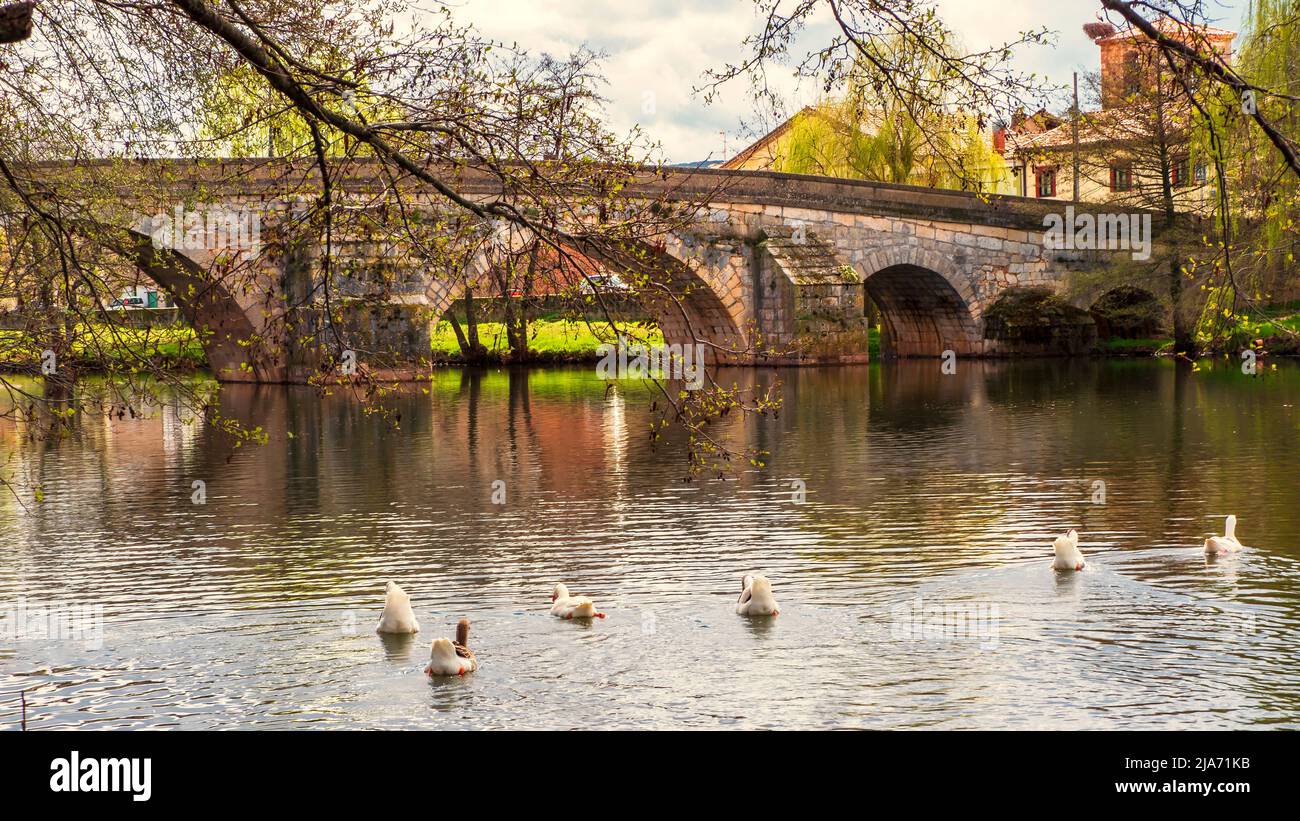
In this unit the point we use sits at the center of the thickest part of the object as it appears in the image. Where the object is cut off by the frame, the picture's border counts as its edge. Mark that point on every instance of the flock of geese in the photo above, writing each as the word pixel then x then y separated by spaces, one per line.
pixel 454 658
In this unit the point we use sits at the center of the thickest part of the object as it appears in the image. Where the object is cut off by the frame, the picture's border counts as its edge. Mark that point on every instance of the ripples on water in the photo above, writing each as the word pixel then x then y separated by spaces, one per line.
pixel 931 501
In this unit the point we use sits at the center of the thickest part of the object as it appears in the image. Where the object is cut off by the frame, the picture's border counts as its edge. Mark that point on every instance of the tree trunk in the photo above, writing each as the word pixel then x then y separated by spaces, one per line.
pixel 517 329
pixel 1183 336
pixel 475 352
pixel 16 21
pixel 460 335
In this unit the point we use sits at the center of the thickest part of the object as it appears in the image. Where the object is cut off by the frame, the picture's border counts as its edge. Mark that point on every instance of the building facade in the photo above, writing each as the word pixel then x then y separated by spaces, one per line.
pixel 1141 136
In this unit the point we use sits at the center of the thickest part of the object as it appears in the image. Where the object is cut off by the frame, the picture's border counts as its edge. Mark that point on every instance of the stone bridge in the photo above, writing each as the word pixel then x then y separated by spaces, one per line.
pixel 778 270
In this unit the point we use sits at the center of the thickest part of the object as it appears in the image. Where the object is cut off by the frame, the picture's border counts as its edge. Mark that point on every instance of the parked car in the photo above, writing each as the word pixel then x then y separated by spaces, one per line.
pixel 136 299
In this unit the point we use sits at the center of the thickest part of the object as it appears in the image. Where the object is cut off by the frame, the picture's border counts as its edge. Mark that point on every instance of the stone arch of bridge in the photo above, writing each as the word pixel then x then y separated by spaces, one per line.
pixel 925 305
pixel 223 327
pixel 686 305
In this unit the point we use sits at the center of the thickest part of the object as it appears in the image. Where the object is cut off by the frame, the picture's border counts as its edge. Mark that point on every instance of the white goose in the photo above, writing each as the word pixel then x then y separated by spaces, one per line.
pixel 1068 555
pixel 565 606
pixel 756 597
pixel 1225 543
pixel 448 658
pixel 398 617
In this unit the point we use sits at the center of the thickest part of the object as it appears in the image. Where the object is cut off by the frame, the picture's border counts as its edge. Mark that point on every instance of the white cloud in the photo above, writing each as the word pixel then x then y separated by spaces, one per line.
pixel 664 47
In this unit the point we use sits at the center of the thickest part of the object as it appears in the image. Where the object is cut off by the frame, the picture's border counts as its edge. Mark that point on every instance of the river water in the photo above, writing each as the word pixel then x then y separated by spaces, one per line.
pixel 904 516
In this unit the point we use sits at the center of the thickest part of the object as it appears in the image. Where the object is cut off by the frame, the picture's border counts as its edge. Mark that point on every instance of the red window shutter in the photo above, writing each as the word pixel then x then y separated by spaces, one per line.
pixel 1112 180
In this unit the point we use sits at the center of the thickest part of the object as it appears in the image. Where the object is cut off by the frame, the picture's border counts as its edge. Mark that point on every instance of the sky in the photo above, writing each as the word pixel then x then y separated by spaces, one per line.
pixel 659 50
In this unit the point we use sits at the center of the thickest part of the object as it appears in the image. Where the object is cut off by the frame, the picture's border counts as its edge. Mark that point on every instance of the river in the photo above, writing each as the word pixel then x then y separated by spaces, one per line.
pixel 905 518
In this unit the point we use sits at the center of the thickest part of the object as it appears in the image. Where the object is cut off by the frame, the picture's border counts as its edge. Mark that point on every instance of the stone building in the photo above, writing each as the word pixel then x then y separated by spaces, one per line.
pixel 1117 160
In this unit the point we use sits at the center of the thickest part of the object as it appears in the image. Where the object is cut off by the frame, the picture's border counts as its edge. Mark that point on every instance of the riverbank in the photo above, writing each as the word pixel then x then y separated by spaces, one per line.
pixel 1274 331
pixel 551 341
pixel 104 347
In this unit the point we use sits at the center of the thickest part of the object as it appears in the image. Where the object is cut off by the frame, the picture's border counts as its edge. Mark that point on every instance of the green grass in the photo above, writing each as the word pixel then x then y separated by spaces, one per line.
pixel 548 339
pixel 1276 325
pixel 105 347
pixel 1262 328
pixel 120 347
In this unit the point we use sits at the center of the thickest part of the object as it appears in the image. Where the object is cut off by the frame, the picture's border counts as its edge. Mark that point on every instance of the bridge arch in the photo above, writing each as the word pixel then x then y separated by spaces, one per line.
pixel 686 305
pixel 1128 312
pixel 926 306
pixel 692 303
pixel 205 302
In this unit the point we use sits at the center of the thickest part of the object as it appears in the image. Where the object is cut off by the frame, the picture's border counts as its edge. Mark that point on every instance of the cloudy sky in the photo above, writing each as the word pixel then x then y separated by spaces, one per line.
pixel 659 50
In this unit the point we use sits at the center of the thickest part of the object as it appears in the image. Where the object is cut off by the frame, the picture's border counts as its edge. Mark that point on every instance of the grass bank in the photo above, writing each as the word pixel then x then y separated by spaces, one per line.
pixel 1274 329
pixel 178 348
pixel 123 348
pixel 549 340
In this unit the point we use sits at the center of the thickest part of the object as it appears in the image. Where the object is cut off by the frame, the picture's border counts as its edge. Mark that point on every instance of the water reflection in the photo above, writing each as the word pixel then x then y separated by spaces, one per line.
pixel 256 608
pixel 397 646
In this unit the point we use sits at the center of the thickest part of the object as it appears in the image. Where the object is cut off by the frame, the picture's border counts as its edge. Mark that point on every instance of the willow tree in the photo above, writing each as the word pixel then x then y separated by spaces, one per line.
pixel 872 134
pixel 896 57
pixel 1261 202
pixel 240 117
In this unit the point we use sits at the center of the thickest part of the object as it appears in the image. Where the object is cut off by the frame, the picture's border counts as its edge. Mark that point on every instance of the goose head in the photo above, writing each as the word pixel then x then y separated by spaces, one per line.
pixel 1073 536
pixel 462 633
pixel 1230 527
pixel 560 592
pixel 760 586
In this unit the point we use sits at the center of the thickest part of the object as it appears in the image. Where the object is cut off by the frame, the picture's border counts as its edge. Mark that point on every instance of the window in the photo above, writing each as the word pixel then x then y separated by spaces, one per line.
pixel 1202 173
pixel 1121 177
pixel 1179 173
pixel 1046 182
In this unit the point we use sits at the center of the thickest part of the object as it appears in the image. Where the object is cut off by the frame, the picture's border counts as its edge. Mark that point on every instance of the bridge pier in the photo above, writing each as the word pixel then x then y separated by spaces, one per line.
pixel 809 303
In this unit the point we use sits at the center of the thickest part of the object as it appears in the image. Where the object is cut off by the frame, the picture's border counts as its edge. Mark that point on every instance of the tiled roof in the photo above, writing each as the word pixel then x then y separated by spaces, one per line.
pixel 1166 25
pixel 767 139
pixel 1095 127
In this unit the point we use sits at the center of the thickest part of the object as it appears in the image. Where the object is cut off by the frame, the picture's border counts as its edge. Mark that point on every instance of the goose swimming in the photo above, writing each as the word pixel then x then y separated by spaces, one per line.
pixel 756 597
pixel 398 617
pixel 448 658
